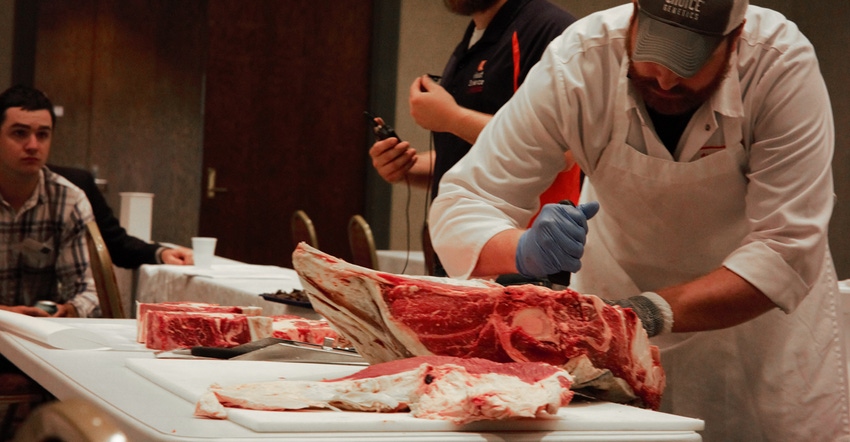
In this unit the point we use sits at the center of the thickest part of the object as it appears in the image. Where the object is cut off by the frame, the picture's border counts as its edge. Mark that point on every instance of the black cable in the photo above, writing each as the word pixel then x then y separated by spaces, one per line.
pixel 407 223
pixel 428 192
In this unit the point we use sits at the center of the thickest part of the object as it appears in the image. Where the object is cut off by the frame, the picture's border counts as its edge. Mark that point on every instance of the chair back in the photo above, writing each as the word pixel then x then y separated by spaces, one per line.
pixel 303 230
pixel 362 243
pixel 104 273
pixel 71 420
pixel 428 251
pixel 16 390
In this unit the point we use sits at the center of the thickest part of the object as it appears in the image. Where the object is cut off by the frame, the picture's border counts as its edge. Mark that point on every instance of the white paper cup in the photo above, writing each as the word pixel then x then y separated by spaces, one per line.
pixel 203 250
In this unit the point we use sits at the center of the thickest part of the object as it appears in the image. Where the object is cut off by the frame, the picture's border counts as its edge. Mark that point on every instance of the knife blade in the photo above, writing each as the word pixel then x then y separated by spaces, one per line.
pixel 295 351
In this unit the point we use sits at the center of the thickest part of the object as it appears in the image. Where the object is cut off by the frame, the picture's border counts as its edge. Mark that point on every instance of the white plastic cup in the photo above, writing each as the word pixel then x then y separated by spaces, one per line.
pixel 203 249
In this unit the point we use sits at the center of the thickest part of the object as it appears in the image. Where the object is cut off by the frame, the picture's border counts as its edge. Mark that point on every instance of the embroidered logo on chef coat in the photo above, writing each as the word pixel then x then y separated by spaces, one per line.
pixel 476 83
pixel 708 150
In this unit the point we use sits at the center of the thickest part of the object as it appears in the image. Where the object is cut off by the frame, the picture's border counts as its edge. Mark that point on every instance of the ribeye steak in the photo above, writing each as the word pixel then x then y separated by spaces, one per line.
pixel 169 330
pixel 142 309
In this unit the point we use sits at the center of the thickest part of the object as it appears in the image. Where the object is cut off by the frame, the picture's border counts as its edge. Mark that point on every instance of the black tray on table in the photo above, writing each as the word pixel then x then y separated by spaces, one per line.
pixel 294 297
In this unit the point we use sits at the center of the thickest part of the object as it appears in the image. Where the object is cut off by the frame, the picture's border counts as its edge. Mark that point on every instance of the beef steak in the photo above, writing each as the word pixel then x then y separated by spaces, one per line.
pixel 169 330
pixel 142 309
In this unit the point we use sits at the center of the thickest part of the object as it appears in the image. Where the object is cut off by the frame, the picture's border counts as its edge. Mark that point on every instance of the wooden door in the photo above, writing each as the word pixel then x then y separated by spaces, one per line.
pixel 286 86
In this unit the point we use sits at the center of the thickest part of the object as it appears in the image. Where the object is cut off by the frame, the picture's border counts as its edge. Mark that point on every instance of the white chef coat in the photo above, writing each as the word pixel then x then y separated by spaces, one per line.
pixel 749 188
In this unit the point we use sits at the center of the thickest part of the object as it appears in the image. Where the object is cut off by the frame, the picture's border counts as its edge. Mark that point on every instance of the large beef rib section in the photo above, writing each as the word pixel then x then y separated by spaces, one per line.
pixel 460 390
pixel 389 317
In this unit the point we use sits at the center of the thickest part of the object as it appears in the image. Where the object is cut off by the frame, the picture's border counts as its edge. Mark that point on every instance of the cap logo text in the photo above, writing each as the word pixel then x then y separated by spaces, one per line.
pixel 685 8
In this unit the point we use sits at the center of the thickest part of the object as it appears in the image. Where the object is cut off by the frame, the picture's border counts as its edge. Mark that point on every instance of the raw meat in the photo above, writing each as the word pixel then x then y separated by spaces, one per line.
pixel 143 307
pixel 390 317
pixel 296 328
pixel 169 330
pixel 460 390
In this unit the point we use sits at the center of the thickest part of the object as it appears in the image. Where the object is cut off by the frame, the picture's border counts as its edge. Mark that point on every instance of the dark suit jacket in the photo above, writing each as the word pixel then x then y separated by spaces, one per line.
pixel 126 251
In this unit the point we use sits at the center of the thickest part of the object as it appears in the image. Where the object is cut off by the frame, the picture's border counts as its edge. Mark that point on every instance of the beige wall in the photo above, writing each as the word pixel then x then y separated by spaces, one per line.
pixel 429 33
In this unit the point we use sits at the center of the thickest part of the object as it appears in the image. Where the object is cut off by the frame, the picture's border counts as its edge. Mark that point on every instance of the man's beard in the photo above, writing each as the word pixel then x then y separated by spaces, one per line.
pixel 678 99
pixel 467 7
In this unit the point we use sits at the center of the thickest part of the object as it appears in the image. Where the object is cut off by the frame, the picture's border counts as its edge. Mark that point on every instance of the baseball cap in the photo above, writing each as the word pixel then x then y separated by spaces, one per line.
pixel 682 34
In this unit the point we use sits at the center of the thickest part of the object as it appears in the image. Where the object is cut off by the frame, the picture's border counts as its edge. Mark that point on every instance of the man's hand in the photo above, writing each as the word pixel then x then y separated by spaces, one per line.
pixel 66 310
pixel 177 256
pixel 654 312
pixel 431 106
pixel 392 160
pixel 555 242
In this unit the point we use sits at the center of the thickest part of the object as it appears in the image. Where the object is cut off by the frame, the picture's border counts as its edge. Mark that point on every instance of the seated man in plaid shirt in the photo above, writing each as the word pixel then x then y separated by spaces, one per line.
pixel 43 253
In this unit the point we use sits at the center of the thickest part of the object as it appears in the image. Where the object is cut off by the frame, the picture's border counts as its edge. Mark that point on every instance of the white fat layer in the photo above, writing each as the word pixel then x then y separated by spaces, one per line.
pixel 446 392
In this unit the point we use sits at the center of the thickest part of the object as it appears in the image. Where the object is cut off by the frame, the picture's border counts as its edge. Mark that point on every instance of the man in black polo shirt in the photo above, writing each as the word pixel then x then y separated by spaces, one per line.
pixel 502 42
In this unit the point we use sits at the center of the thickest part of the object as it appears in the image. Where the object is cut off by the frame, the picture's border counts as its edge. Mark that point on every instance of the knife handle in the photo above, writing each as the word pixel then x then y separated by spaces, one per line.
pixel 215 352
pixel 230 352
pixel 562 278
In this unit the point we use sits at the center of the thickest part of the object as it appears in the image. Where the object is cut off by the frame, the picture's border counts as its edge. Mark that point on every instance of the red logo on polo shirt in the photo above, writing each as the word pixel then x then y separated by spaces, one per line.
pixel 476 83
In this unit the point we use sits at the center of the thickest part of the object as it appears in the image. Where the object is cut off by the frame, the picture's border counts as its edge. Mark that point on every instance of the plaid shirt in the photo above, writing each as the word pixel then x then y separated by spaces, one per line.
pixel 43 252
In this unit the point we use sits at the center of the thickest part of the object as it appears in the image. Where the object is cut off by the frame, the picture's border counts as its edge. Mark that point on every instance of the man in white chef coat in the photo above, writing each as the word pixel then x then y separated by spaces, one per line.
pixel 706 134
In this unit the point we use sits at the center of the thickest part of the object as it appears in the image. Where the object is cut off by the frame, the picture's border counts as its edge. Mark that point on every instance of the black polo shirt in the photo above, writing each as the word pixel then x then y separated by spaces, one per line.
pixel 485 76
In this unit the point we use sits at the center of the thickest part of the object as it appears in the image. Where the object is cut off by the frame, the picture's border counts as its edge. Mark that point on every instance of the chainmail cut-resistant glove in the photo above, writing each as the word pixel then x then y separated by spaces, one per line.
pixel 555 242
pixel 653 311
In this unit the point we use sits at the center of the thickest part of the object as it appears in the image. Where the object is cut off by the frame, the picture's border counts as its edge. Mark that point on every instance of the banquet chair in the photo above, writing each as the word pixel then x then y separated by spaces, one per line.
pixel 72 420
pixel 362 243
pixel 16 390
pixel 303 230
pixel 104 274
pixel 428 251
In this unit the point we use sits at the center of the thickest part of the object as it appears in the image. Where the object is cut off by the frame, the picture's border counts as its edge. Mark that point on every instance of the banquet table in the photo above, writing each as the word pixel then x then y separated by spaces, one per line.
pixel 154 399
pixel 228 282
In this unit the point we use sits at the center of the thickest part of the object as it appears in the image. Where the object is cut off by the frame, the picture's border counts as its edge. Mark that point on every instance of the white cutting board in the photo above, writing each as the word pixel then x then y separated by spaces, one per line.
pixel 190 378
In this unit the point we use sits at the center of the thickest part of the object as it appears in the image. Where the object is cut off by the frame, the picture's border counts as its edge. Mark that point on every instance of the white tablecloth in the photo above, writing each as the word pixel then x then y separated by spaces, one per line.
pixel 227 283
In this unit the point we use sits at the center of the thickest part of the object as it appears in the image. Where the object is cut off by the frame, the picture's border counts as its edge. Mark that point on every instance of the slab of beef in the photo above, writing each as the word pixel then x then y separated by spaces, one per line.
pixel 296 328
pixel 389 317
pixel 460 390
pixel 142 308
pixel 167 330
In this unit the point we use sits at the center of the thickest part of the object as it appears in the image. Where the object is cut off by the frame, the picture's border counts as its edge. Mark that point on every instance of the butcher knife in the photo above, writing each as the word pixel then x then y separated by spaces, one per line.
pixel 216 352
pixel 284 350
pixel 294 351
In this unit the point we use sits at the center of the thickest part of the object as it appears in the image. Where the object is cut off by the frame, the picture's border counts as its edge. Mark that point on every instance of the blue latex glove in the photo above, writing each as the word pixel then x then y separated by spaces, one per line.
pixel 555 242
